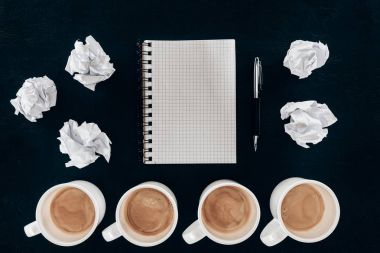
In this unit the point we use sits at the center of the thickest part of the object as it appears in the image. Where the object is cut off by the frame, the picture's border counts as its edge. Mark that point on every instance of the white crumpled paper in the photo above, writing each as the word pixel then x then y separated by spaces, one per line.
pixel 36 96
pixel 82 142
pixel 308 121
pixel 305 56
pixel 89 63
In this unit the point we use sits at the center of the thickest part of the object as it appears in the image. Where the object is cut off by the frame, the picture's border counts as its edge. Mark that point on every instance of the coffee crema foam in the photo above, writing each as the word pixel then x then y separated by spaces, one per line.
pixel 226 210
pixel 148 212
pixel 302 208
pixel 72 210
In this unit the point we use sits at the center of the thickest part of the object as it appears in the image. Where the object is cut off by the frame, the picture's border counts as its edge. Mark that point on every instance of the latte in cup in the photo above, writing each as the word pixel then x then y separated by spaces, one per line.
pixel 228 212
pixel 147 213
pixel 67 214
pixel 302 208
pixel 72 211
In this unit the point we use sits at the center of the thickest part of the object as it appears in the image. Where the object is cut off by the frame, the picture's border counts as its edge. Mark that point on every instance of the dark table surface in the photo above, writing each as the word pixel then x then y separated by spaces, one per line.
pixel 36 38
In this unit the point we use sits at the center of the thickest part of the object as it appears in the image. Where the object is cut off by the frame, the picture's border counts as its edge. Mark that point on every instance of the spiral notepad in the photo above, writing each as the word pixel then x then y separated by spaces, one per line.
pixel 189 101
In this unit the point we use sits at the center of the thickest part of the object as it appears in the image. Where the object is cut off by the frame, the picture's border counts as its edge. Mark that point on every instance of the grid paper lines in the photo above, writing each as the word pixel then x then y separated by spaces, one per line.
pixel 193 101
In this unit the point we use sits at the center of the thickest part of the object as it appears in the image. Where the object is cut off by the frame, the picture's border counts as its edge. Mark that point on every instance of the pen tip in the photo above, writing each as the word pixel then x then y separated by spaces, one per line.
pixel 255 142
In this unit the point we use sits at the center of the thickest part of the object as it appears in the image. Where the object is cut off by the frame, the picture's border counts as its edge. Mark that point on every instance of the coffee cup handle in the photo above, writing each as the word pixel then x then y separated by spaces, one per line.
pixel 32 229
pixel 273 233
pixel 193 233
pixel 111 233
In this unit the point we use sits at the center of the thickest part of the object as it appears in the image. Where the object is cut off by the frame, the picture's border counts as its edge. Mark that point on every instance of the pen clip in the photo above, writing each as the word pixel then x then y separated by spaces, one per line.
pixel 260 76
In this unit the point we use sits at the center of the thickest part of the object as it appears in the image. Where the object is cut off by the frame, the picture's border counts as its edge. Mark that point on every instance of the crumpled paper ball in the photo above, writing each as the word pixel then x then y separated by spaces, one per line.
pixel 36 96
pixel 82 143
pixel 89 63
pixel 308 121
pixel 305 56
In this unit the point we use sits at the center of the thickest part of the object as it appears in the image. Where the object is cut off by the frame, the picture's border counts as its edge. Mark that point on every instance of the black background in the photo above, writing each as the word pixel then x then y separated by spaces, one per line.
pixel 36 38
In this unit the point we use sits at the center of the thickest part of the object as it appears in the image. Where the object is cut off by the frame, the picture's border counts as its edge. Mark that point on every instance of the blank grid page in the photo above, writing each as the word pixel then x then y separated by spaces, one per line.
pixel 193 101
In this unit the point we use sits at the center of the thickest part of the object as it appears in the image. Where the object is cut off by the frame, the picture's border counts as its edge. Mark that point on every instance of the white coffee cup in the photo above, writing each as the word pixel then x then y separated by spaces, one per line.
pixel 198 229
pixel 276 231
pixel 45 225
pixel 118 229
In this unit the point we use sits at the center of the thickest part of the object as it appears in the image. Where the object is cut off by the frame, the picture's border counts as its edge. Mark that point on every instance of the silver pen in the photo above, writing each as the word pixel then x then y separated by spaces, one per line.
pixel 257 86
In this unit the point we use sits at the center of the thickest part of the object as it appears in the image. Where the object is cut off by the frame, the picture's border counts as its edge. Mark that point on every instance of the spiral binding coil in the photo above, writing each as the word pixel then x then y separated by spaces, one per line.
pixel 145 65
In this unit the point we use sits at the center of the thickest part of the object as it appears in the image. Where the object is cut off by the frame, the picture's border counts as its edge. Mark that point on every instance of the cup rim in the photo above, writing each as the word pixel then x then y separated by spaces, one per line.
pixel 47 234
pixel 222 183
pixel 150 185
pixel 331 228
